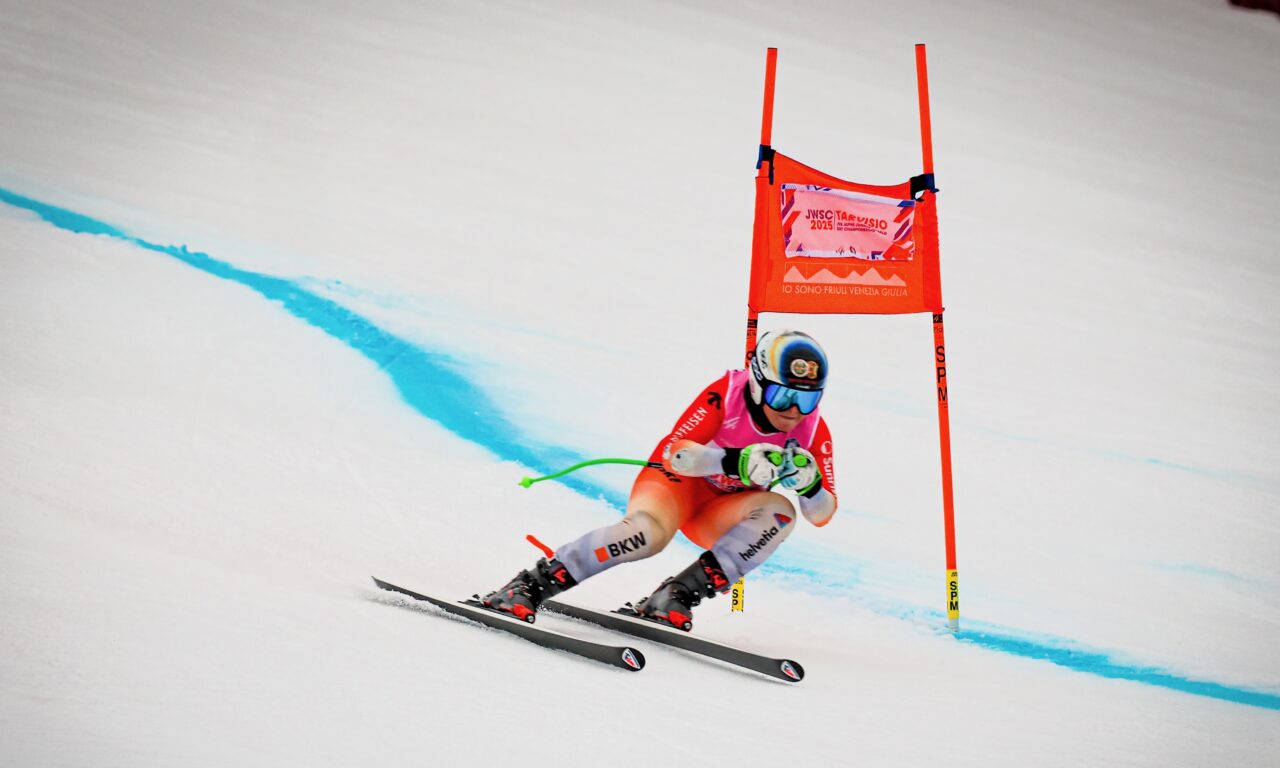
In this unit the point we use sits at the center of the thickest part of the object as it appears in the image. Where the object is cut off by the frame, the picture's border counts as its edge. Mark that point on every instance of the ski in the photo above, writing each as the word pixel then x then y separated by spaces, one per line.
pixel 623 657
pixel 788 670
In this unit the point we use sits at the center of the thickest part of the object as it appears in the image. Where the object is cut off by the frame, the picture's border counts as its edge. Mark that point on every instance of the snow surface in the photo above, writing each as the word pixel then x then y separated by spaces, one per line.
pixel 295 294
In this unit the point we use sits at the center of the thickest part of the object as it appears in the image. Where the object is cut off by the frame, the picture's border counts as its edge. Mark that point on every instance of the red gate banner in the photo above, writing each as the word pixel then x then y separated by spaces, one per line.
pixel 823 245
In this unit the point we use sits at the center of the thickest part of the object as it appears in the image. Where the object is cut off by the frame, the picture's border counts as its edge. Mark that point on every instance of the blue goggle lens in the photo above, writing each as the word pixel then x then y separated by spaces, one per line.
pixel 781 398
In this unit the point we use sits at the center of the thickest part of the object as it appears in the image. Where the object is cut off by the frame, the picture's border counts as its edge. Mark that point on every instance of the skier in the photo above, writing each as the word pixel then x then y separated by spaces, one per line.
pixel 748 429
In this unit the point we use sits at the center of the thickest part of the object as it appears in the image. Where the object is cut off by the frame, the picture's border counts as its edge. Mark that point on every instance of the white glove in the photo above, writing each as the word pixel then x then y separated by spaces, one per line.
pixel 685 457
pixel 799 470
pixel 760 463
pixel 682 459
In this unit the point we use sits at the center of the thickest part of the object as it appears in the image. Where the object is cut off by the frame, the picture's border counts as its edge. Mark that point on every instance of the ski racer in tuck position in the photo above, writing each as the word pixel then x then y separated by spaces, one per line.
pixel 745 431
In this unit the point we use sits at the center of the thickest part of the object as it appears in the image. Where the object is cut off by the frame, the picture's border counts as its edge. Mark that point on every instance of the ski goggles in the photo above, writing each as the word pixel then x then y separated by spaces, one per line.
pixel 781 398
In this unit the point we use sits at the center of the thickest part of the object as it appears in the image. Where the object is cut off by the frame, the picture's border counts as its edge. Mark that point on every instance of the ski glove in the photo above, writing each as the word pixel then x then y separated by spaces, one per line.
pixel 691 459
pixel 799 471
pixel 759 464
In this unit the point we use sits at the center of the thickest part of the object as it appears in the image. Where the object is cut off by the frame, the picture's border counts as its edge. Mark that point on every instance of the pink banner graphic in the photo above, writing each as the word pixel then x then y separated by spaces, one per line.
pixel 823 223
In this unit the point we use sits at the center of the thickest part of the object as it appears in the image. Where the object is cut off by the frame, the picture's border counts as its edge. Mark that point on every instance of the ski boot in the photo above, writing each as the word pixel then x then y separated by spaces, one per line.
pixel 522 595
pixel 672 602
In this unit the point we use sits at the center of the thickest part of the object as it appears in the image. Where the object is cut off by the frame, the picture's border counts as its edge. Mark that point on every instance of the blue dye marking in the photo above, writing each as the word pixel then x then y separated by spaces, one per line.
pixel 1132 458
pixel 1195 569
pixel 430 382
pixel 1104 665
pixel 434 384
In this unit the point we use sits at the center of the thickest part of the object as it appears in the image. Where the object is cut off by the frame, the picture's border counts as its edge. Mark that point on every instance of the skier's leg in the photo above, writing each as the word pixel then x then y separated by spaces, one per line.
pixel 657 508
pixel 740 531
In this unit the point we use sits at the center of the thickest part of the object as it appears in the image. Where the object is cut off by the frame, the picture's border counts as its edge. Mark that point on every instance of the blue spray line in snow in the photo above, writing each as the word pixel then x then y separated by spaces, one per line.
pixel 433 384
pixel 429 381
pixel 1105 666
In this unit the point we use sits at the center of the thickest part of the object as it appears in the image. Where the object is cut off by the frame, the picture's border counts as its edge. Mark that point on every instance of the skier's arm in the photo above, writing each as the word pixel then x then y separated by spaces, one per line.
pixel 819 503
pixel 755 465
pixel 695 429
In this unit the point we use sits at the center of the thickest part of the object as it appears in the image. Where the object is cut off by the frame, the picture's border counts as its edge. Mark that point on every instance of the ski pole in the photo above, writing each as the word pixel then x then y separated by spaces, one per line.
pixel 526 481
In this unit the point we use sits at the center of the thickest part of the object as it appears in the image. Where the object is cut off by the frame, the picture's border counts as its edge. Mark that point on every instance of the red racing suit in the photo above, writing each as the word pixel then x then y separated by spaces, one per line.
pixel 724 415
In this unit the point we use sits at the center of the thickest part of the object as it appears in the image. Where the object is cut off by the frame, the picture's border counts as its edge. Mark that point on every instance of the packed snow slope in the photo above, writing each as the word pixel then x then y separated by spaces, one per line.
pixel 296 294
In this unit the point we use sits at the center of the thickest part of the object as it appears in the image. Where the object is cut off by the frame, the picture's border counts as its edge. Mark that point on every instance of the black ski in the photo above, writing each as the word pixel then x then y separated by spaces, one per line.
pixel 781 669
pixel 623 657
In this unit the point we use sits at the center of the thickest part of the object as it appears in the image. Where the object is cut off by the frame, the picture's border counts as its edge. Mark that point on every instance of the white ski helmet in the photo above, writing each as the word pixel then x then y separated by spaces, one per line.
pixel 788 368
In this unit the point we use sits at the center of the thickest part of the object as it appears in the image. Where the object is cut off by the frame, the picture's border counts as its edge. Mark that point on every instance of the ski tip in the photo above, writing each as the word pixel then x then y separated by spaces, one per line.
pixel 633 658
pixel 388 586
pixel 791 670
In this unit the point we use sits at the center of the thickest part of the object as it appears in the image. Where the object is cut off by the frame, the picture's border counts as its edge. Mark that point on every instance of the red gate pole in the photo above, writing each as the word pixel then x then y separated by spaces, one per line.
pixel 766 123
pixel 766 137
pixel 739 591
pixel 940 370
pixel 948 504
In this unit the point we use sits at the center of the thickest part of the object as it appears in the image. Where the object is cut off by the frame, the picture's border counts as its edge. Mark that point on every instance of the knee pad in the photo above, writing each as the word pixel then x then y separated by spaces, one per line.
pixel 749 543
pixel 634 537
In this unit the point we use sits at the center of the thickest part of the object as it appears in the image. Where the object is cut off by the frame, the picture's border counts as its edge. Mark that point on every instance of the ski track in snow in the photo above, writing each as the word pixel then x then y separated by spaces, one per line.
pixel 432 384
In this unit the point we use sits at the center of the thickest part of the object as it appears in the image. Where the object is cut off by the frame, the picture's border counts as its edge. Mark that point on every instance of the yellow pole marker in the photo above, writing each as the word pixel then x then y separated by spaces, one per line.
pixel 739 596
pixel 953 600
